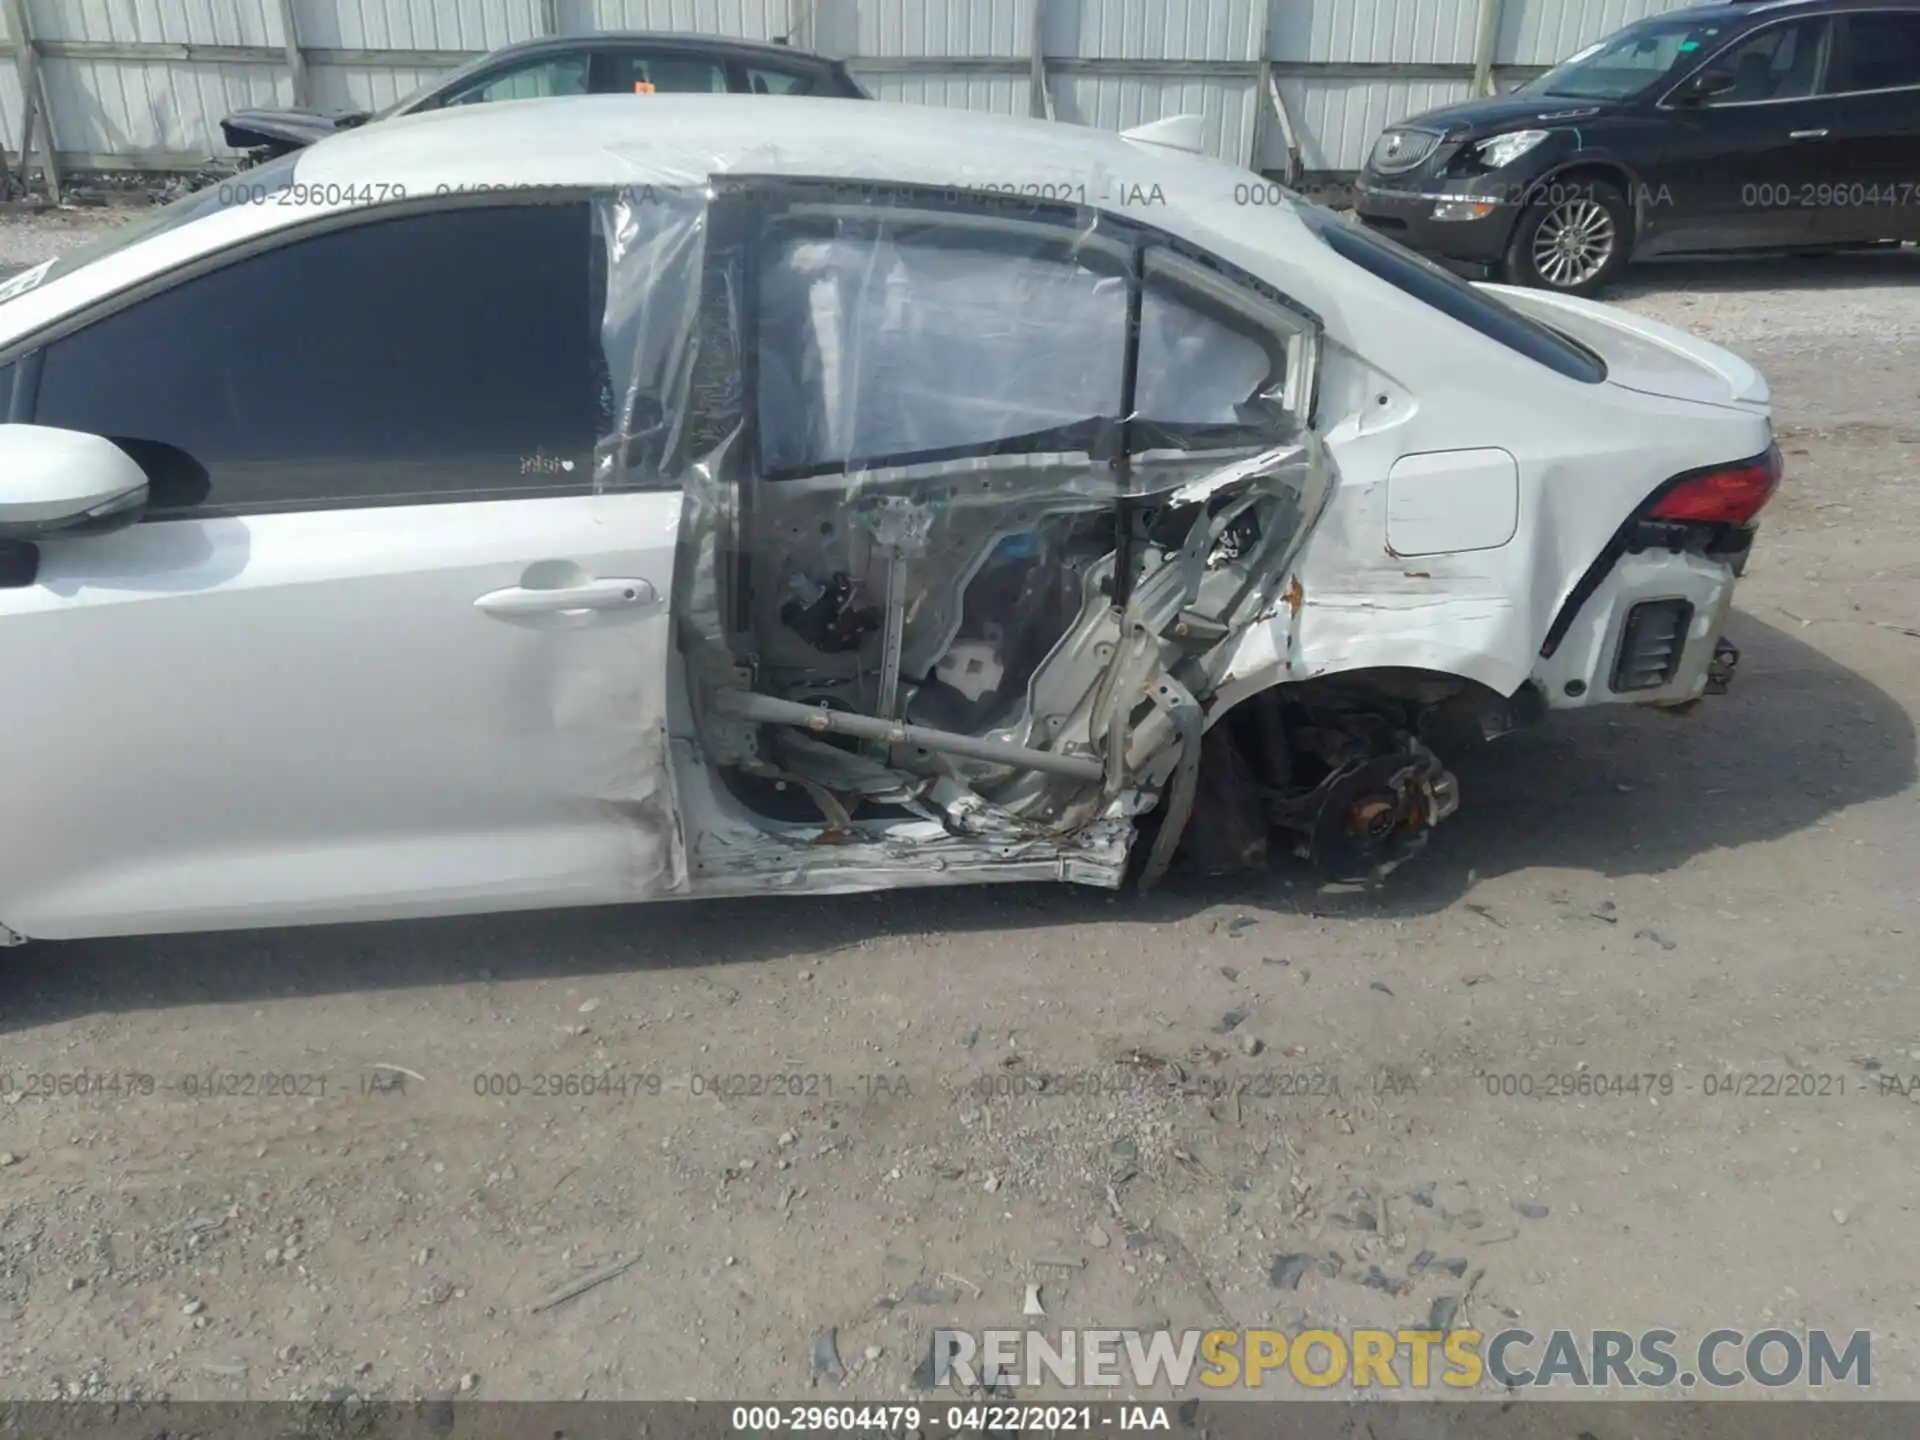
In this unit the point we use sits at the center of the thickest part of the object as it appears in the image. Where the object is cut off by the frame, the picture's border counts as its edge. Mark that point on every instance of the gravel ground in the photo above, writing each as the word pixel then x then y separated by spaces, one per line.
pixel 1726 895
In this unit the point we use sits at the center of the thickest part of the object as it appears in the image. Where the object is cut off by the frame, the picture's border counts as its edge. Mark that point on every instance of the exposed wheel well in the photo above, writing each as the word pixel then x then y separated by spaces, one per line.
pixel 1301 759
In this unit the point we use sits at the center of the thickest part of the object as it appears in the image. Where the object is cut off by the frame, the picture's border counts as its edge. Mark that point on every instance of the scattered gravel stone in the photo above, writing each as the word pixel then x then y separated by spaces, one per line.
pixel 922 1377
pixel 826 1356
pixel 1287 1271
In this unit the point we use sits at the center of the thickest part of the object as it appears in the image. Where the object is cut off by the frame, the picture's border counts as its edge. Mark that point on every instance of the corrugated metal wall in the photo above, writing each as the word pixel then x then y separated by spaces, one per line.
pixel 1111 63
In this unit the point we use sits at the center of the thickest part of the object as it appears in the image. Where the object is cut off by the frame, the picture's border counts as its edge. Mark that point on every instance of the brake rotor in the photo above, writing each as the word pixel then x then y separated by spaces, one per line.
pixel 1375 817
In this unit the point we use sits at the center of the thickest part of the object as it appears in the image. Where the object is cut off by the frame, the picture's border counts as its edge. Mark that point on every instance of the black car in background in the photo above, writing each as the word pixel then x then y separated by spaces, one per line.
pixel 606 63
pixel 1784 124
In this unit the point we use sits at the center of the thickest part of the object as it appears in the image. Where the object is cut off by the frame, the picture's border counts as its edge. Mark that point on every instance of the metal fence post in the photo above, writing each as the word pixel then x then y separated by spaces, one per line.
pixel 296 62
pixel 1486 43
pixel 33 97
pixel 1039 93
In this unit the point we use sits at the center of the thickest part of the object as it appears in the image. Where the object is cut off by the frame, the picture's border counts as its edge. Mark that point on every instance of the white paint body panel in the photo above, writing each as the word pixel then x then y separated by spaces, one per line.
pixel 54 475
pixel 304 717
pixel 1452 500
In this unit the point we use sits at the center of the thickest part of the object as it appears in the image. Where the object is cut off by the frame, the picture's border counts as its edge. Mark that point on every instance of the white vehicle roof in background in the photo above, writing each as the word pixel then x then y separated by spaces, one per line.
pixel 678 139
pixel 681 140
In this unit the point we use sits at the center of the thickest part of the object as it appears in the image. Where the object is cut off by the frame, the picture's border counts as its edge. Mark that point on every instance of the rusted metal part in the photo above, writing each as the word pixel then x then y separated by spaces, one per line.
pixel 1726 659
pixel 1295 597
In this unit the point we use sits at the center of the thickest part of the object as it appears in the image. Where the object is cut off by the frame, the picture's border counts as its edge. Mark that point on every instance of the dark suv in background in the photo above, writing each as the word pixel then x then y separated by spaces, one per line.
pixel 604 63
pixel 1784 124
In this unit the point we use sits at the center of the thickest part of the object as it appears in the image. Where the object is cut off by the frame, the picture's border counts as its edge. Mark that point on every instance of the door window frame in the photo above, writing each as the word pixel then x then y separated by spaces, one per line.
pixel 441 99
pixel 745 206
pixel 28 352
pixel 1846 18
pixel 1825 19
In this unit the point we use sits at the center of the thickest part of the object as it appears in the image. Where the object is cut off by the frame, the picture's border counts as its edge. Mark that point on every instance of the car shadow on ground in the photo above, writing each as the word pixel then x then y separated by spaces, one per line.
pixel 1770 273
pixel 1613 792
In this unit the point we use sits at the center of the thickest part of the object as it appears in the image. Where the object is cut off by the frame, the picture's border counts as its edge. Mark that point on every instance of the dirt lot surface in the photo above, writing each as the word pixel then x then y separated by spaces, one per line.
pixel 829 1123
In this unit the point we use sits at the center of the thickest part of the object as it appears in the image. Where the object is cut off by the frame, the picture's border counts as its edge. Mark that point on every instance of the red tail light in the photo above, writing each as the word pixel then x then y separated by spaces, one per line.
pixel 1732 496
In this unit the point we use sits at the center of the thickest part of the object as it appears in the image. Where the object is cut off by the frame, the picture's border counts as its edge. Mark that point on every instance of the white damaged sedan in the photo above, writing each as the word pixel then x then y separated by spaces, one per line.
pixel 572 501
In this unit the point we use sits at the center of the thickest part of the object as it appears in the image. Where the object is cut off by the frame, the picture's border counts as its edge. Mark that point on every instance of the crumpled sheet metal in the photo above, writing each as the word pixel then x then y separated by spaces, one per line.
pixel 809 362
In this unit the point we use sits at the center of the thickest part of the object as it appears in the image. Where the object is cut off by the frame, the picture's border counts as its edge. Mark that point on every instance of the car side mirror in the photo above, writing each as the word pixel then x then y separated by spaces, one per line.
pixel 1714 80
pixel 60 483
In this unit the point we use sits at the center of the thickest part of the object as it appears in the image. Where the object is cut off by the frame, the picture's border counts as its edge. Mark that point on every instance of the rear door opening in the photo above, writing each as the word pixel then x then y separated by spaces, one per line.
pixel 976 487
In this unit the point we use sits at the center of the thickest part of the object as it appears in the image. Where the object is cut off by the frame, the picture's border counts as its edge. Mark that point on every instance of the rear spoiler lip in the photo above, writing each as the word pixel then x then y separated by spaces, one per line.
pixel 282 129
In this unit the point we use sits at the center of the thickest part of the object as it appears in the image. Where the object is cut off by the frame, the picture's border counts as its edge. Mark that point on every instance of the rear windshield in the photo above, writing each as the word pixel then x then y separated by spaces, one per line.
pixel 1447 292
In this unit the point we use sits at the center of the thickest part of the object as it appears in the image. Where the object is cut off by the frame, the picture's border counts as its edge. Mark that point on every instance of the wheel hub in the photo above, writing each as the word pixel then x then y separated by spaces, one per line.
pixel 1575 241
pixel 1377 814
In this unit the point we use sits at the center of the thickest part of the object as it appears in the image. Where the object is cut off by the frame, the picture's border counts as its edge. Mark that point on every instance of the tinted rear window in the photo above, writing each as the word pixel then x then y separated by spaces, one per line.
pixel 1447 292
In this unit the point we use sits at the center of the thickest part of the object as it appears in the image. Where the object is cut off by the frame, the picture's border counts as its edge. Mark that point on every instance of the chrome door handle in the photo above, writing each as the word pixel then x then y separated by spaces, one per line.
pixel 593 595
pixel 1808 135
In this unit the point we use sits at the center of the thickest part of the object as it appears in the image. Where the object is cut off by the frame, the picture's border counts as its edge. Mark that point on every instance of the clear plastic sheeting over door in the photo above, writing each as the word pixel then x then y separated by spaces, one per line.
pixel 901 340
pixel 932 564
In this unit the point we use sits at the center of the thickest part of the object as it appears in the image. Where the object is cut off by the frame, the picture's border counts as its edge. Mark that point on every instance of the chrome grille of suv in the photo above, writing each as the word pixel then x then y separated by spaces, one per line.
pixel 1397 150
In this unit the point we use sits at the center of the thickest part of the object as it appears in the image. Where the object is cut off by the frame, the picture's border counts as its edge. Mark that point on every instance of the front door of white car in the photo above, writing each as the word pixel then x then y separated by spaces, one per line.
pixel 378 647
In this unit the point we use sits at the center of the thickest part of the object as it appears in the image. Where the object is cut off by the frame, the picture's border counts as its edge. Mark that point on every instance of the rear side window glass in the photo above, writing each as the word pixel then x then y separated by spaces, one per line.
pixel 1219 366
pixel 1781 62
pixel 1884 51
pixel 444 356
pixel 560 75
pixel 628 72
pixel 1446 292
pixel 762 81
pixel 923 339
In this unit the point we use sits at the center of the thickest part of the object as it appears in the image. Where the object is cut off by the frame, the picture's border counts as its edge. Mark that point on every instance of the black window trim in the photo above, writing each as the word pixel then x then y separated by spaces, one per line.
pixel 30 349
pixel 1325 226
pixel 1104 438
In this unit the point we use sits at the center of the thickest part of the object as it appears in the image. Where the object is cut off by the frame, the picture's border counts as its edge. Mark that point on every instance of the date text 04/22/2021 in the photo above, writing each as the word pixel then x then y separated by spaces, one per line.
pixel 970 1419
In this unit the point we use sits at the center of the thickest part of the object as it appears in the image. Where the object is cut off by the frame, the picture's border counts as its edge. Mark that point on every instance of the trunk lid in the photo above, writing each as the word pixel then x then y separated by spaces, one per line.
pixel 1645 355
